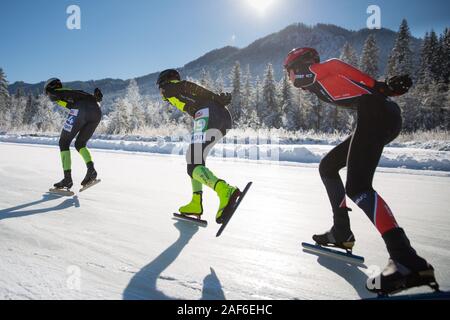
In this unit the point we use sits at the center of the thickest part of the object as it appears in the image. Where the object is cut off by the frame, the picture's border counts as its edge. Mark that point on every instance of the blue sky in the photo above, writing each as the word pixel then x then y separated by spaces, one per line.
pixel 125 39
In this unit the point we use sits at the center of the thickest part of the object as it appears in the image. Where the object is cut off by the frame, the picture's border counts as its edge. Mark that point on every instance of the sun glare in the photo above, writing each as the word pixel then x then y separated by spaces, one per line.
pixel 260 6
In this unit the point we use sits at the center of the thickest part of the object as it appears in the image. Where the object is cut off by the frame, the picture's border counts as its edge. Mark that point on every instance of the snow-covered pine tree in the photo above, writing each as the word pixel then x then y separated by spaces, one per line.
pixel 336 118
pixel 438 58
pixel 435 57
pixel 236 103
pixel 431 88
pixel 271 113
pixel 311 111
pixel 258 99
pixel 206 80
pixel 349 55
pixel 219 84
pixel 156 113
pixel 370 57
pixel 30 110
pixel 444 60
pixel 5 102
pixel 291 114
pixel 401 58
pixel 434 101
pixel 119 118
pixel 447 110
pixel 299 96
pixel 48 116
pixel 424 73
pixel 411 108
pixel 247 96
pixel 18 105
pixel 134 98
pixel 128 113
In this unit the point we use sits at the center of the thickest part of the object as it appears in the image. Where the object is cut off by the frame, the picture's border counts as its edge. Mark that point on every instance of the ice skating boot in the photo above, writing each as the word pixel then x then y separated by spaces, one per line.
pixel 405 269
pixel 336 239
pixel 396 277
pixel 91 175
pixel 340 236
pixel 195 207
pixel 65 183
pixel 228 196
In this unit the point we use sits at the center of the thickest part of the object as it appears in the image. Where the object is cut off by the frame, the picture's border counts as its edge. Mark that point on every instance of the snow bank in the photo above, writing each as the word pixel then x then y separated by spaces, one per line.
pixel 252 149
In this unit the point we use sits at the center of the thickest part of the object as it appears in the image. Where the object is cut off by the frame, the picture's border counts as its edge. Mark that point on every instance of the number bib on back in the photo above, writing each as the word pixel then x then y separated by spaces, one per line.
pixel 201 121
pixel 68 125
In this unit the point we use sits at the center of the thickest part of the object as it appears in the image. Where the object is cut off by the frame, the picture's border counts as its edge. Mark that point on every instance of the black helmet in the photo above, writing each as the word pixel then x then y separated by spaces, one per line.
pixel 52 84
pixel 168 75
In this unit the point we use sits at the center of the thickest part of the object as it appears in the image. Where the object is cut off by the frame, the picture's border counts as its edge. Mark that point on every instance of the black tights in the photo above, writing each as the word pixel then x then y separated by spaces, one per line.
pixel 379 122
pixel 81 122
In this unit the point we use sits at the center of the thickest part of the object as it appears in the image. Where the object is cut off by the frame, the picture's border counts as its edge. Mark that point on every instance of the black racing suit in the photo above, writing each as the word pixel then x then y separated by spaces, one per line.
pixel 379 122
pixel 84 116
pixel 211 118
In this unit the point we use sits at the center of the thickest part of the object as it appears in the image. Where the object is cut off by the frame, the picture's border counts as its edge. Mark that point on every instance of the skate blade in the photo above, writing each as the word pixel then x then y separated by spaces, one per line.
pixel 90 185
pixel 232 210
pixel 408 285
pixel 190 219
pixel 333 253
pixel 437 295
pixel 61 192
pixel 348 248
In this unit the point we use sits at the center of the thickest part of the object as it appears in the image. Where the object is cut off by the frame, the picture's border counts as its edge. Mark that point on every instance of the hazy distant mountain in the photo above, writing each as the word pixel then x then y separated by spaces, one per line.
pixel 327 39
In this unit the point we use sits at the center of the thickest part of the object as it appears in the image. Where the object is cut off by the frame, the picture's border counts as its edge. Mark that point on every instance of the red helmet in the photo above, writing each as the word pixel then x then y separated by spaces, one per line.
pixel 301 56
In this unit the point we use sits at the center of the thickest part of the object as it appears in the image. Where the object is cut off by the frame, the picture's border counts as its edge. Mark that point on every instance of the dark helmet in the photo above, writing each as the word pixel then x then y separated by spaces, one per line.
pixel 168 75
pixel 52 84
pixel 301 56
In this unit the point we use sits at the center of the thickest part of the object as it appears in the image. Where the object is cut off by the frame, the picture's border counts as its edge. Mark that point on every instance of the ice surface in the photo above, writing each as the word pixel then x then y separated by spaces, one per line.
pixel 118 240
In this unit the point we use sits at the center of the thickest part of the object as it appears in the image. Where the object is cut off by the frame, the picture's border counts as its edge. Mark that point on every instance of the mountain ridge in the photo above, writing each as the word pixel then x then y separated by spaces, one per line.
pixel 328 39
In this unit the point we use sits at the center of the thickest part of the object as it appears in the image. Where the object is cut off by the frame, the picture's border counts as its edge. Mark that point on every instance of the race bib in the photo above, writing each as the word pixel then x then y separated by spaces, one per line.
pixel 201 120
pixel 70 121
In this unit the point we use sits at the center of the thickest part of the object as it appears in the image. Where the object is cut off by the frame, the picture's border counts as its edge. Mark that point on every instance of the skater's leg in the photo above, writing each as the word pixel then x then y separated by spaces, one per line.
pixel 196 157
pixel 365 151
pixel 197 187
pixel 65 140
pixel 84 136
pixel 71 128
pixel 86 132
pixel 209 129
pixel 366 148
pixel 66 160
pixel 329 169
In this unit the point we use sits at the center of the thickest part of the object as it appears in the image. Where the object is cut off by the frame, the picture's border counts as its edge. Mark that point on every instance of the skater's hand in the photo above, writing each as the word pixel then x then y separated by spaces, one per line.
pixel 225 99
pixel 399 85
pixel 98 95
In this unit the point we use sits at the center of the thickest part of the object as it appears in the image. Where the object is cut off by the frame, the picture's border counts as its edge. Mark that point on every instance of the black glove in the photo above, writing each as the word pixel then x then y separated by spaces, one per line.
pixel 224 99
pixel 98 95
pixel 399 85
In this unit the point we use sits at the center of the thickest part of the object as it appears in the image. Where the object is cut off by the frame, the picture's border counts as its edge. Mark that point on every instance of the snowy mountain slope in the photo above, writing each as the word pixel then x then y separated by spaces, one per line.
pixel 328 39
pixel 118 241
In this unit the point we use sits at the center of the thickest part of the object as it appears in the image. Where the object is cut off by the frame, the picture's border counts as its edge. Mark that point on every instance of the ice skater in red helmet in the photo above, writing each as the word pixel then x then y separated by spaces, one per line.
pixel 379 122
